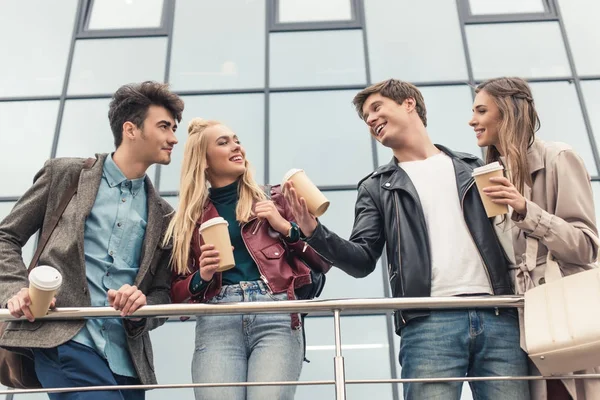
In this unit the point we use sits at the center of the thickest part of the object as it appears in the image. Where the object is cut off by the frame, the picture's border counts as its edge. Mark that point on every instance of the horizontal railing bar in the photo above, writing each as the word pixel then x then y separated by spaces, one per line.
pixel 380 305
pixel 164 386
pixel 300 383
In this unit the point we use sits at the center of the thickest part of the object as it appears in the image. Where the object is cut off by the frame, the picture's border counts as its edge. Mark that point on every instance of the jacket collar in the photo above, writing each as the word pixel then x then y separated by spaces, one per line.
pixel 535 156
pixel 399 179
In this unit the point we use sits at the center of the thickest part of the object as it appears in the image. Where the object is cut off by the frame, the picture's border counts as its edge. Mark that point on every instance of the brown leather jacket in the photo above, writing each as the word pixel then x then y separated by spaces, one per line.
pixel 268 249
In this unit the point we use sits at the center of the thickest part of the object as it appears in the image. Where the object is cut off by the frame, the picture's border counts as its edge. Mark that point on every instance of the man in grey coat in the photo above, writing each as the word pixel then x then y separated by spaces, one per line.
pixel 107 246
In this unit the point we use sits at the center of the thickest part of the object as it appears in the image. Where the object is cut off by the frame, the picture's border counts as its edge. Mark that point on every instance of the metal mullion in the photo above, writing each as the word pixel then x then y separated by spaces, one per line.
pixel 169 23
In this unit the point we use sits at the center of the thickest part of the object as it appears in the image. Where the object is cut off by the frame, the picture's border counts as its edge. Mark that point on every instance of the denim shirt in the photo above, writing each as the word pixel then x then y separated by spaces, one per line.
pixel 113 238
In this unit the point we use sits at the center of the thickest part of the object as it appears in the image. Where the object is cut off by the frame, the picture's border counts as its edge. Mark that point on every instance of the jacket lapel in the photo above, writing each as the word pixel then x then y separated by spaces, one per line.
pixel 154 229
pixel 89 182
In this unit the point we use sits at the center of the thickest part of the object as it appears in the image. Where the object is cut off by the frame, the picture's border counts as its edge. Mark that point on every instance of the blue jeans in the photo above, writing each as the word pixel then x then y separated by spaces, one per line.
pixel 246 348
pixel 73 364
pixel 464 343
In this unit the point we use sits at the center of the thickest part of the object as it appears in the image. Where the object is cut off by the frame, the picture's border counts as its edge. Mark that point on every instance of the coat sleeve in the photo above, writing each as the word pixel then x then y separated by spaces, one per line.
pixel 25 219
pixel 570 234
pixel 357 256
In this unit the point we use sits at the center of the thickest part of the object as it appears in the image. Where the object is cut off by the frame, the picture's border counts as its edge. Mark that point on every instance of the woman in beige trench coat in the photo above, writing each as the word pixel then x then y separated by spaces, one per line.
pixel 550 196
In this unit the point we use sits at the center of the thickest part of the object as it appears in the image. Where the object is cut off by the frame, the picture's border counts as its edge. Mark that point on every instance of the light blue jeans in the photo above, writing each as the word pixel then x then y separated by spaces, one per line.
pixel 464 343
pixel 247 348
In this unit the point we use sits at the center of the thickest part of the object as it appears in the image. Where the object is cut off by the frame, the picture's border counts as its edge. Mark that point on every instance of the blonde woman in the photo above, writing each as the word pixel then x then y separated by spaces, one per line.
pixel 216 180
pixel 550 195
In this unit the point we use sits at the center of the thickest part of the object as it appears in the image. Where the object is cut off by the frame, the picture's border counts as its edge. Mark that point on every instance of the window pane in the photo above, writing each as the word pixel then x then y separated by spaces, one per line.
pixel 35 45
pixel 529 50
pixel 426 46
pixel 321 133
pixel 243 113
pixel 581 22
pixel 448 115
pixel 479 7
pixel 296 60
pixel 340 218
pixel 591 93
pixel 125 14
pixel 29 145
pixel 102 65
pixel 29 248
pixel 85 130
pixel 314 10
pixel 560 123
pixel 365 348
pixel 173 358
pixel 225 51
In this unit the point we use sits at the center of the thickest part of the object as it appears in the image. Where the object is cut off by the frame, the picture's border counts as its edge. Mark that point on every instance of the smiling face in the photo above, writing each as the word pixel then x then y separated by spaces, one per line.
pixel 387 120
pixel 154 140
pixel 486 120
pixel 226 158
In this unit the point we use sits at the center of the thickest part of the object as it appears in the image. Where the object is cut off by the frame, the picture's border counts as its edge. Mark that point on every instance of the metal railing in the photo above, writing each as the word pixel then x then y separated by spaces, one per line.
pixel 313 307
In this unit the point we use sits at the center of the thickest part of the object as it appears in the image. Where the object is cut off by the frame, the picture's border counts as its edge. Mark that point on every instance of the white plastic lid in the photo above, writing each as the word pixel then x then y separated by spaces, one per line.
pixel 212 222
pixel 491 167
pixel 290 173
pixel 45 278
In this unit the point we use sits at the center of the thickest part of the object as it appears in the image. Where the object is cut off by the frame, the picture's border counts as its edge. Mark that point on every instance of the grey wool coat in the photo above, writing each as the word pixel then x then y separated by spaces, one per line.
pixel 65 252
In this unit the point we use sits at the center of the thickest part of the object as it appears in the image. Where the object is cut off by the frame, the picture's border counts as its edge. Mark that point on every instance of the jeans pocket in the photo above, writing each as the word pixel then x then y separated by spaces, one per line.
pixel 277 296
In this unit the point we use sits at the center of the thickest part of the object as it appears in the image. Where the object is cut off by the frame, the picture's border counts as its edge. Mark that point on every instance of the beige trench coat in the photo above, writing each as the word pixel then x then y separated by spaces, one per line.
pixel 560 214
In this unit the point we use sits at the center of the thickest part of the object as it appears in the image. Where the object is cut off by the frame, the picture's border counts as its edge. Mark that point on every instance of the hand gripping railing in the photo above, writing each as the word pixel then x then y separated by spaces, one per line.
pixel 314 307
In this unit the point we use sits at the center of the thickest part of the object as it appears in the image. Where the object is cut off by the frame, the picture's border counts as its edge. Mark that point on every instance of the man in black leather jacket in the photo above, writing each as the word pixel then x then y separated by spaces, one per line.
pixel 424 207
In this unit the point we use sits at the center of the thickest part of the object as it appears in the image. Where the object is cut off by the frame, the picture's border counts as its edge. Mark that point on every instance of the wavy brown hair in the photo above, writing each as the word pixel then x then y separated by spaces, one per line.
pixel 518 124
pixel 193 194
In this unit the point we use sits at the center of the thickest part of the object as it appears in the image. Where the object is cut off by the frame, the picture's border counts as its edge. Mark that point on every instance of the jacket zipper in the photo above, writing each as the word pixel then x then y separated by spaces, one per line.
pixel 262 275
pixel 485 266
pixel 399 252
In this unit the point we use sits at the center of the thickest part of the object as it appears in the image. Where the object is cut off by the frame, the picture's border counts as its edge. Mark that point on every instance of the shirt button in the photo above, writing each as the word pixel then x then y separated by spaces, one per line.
pixel 123 200
pixel 388 184
pixel 111 253
pixel 119 224
pixel 276 253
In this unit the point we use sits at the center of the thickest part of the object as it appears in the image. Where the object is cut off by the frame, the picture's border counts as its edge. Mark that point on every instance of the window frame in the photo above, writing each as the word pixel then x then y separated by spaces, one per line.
pixel 549 14
pixel 275 26
pixel 83 31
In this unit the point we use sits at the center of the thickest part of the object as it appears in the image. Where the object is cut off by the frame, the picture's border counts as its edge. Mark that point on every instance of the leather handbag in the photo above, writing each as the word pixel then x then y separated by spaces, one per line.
pixel 562 328
pixel 17 368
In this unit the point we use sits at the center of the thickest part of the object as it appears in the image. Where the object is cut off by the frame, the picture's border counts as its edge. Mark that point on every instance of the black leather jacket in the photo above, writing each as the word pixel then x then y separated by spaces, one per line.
pixel 388 212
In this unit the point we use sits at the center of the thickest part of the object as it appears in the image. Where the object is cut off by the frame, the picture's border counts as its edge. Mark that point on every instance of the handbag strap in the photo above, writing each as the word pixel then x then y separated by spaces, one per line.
pixel 552 272
pixel 64 201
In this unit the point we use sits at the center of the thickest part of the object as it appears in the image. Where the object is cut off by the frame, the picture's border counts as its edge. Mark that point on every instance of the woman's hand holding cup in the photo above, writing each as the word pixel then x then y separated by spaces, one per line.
pixel 209 261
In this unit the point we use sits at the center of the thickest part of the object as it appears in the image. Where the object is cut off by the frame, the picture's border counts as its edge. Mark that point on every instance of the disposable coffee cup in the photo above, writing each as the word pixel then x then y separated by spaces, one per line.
pixel 315 200
pixel 482 177
pixel 44 281
pixel 215 232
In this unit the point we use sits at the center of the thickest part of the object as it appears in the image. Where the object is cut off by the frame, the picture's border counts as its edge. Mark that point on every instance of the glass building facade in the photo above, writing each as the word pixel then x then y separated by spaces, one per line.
pixel 282 74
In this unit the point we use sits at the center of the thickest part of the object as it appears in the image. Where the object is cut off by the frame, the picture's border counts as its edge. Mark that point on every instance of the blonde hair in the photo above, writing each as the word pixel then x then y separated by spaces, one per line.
pixel 518 123
pixel 193 194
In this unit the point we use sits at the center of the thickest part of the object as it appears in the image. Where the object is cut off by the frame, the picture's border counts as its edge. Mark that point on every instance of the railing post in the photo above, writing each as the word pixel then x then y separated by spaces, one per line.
pixel 338 361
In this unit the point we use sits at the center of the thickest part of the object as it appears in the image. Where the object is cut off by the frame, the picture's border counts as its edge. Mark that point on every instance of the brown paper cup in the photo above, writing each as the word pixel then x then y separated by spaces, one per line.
pixel 315 200
pixel 44 281
pixel 482 177
pixel 215 232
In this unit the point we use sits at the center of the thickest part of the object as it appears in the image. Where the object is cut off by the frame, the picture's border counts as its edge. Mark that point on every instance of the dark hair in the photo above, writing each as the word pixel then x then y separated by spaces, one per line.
pixel 517 126
pixel 392 89
pixel 131 102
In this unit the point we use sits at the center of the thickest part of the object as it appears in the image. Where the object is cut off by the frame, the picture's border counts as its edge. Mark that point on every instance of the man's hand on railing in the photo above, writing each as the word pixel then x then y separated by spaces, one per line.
pixel 127 299
pixel 18 305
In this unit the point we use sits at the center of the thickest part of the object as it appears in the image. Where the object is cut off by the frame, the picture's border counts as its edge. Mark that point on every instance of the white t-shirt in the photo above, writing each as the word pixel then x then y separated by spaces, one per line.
pixel 456 266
